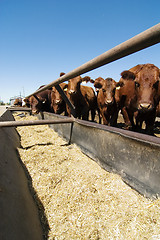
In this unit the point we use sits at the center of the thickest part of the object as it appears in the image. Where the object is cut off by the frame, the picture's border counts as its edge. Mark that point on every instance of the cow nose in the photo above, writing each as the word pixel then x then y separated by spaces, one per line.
pixel 145 106
pixel 72 92
pixel 34 112
pixel 108 101
pixel 57 101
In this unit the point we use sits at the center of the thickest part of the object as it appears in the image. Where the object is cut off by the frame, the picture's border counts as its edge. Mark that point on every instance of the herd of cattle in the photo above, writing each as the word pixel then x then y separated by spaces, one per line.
pixel 136 96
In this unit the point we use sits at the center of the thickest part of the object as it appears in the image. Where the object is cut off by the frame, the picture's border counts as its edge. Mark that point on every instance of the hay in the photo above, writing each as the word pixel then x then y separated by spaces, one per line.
pixel 81 200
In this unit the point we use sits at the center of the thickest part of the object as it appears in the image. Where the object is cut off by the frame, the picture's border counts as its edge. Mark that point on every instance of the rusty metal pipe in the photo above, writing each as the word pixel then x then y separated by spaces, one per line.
pixel 35 122
pixel 141 41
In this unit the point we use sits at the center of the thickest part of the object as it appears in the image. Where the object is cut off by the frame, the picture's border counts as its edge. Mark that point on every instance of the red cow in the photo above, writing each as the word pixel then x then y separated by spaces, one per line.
pixel 144 95
pixel 58 104
pixel 147 87
pixel 82 97
pixel 106 102
pixel 125 96
pixel 18 102
pixel 41 101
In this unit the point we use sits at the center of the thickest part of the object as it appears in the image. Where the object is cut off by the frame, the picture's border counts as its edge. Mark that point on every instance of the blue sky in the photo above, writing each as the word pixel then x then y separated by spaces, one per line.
pixel 41 38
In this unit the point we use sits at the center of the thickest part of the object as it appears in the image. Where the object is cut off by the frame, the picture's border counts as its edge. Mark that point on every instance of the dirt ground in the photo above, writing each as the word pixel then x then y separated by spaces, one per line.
pixel 77 199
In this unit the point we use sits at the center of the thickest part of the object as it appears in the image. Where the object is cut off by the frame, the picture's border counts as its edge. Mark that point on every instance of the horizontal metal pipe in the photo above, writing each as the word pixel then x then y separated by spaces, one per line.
pixel 13 108
pixel 143 40
pixel 34 122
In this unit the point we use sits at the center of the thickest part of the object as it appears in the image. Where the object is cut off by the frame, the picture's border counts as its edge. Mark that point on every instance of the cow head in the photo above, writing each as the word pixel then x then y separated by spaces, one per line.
pixel 74 84
pixel 125 88
pixel 108 90
pixel 18 102
pixel 147 87
pixel 36 103
pixel 56 97
pixel 98 82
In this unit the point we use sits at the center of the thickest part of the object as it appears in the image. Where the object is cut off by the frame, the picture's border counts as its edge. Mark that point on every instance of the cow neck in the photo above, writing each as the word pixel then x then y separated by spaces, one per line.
pixel 36 97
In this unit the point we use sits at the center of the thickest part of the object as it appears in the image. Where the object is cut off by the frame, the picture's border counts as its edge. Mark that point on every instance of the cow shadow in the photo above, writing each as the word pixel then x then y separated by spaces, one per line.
pixel 41 210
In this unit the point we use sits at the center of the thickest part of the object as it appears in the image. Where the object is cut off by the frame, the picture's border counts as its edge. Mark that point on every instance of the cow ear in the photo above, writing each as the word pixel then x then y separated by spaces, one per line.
pixel 86 79
pixel 61 74
pixel 91 80
pixel 65 88
pixel 128 75
pixel 119 85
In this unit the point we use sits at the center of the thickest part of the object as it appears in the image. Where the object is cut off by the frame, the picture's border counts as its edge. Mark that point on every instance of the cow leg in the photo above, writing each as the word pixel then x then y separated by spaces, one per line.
pixel 85 116
pixel 105 119
pixel 85 113
pixel 99 115
pixel 93 113
pixel 140 118
pixel 114 117
pixel 128 124
pixel 68 111
pixel 150 124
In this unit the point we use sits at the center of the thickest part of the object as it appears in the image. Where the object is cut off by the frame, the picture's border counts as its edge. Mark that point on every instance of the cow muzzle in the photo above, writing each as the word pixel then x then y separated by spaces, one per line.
pixel 108 102
pixel 72 92
pixel 35 112
pixel 58 101
pixel 145 107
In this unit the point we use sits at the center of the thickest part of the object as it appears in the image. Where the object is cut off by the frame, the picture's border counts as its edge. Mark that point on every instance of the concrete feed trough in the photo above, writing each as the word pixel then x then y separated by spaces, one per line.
pixel 18 211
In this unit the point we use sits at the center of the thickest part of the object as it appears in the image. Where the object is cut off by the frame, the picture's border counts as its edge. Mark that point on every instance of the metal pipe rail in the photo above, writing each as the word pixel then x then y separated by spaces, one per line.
pixel 34 122
pixel 141 41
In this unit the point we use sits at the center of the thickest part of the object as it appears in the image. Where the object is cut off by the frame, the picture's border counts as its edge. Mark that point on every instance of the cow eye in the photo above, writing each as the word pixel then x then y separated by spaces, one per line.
pixel 155 85
pixel 137 84
pixel 114 89
pixel 103 90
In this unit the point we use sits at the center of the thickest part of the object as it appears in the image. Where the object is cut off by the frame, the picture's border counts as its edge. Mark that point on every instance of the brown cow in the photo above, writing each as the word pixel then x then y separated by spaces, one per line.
pixel 147 88
pixel 125 96
pixel 58 104
pixel 145 98
pixel 18 102
pixel 106 102
pixel 41 101
pixel 82 97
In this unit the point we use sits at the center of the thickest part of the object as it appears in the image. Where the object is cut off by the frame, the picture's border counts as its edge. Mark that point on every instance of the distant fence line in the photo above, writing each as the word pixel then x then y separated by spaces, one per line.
pixel 141 41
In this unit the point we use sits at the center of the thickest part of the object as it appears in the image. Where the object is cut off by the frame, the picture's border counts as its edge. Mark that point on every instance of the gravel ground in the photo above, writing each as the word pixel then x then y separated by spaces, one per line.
pixel 77 199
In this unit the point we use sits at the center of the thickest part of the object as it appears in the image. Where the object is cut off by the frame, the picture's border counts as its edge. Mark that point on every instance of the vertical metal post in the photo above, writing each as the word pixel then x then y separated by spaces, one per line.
pixel 65 98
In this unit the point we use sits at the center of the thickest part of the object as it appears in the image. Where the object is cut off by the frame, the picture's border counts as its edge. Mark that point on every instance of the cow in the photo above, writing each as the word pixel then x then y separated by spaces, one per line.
pixel 41 101
pixel 147 78
pixel 18 102
pixel 106 101
pixel 146 98
pixel 82 97
pixel 27 103
pixel 57 102
pixel 125 97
